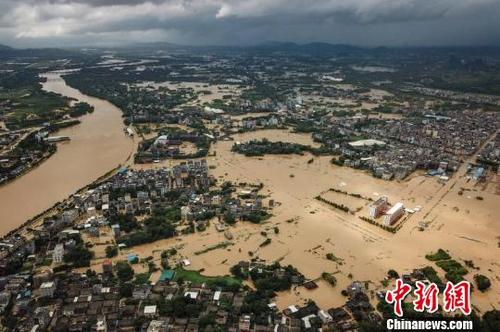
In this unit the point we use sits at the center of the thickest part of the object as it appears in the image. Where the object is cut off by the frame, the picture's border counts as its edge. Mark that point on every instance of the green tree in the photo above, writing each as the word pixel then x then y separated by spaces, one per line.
pixel 124 271
pixel 78 255
pixel 126 289
pixel 482 281
pixel 491 321
pixel 229 218
pixel 111 251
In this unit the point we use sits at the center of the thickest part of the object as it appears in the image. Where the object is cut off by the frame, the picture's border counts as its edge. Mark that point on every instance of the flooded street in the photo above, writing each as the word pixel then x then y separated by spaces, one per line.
pixel 97 145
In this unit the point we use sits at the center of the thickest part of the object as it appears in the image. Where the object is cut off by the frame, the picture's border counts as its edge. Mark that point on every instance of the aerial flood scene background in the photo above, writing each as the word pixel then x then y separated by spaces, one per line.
pixel 249 166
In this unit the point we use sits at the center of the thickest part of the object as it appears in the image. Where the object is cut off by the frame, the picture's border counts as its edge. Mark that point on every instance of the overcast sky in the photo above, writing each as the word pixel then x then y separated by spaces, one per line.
pixel 41 23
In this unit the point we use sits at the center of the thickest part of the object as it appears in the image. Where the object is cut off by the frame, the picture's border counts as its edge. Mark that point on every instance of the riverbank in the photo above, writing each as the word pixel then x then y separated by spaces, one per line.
pixel 98 144
pixel 25 228
pixel 53 128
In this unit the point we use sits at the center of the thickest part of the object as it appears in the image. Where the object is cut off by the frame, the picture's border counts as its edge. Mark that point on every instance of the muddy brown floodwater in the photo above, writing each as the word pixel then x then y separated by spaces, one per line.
pixel 466 227
pixel 97 145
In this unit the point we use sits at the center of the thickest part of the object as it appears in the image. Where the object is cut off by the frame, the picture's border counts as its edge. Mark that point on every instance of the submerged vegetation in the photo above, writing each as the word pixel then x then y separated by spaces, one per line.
pixel 264 146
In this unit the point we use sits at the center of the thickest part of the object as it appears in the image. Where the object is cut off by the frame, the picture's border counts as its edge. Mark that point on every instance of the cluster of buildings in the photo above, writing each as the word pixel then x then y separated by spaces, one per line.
pixel 458 133
pixel 457 96
pixel 151 105
pixel 179 106
pixel 20 151
pixel 70 301
pixel 8 138
pixel 433 142
pixel 381 207
pixel 39 291
pixel 127 192
pixel 251 123
pixel 169 146
pixel 394 213
pixel 293 91
pixel 489 156
pixel 134 191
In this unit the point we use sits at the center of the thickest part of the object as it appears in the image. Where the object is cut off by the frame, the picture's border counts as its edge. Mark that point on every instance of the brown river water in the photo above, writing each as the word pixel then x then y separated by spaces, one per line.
pixel 97 145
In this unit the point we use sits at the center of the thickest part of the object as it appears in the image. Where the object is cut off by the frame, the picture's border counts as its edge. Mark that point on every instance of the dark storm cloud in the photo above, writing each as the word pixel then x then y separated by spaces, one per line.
pixel 365 22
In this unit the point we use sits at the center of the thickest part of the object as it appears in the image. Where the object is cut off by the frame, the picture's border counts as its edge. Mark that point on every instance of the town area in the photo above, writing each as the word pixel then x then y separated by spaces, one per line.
pixel 241 191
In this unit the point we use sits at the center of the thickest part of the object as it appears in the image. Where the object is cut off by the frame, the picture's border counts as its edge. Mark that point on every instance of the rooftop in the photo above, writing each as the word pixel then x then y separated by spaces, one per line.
pixel 395 208
pixel 366 142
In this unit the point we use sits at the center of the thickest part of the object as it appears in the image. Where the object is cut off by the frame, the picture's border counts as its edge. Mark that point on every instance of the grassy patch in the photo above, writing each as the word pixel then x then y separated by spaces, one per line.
pixel 454 270
pixel 265 243
pixel 142 278
pixel 330 278
pixel 483 282
pixel 452 266
pixel 431 275
pixel 33 106
pixel 222 245
pixel 439 255
pixel 331 257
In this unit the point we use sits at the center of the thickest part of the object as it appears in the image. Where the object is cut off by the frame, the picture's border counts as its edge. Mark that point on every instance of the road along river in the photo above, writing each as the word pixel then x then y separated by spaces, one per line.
pixel 97 145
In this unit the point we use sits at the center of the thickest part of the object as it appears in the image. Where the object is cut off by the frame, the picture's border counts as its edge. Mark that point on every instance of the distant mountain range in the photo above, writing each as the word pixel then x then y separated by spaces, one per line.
pixel 9 52
pixel 265 47
pixel 316 48
pixel 5 47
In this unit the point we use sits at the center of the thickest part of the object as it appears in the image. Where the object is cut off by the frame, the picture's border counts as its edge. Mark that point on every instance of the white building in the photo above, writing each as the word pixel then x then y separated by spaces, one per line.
pixel 244 323
pixel 307 321
pixel 366 142
pixel 378 207
pixel 157 326
pixel 69 216
pixel 217 295
pixel 185 212
pixel 192 295
pixel 116 230
pixel 101 325
pixel 325 316
pixel 216 200
pixel 161 140
pixel 394 214
pixel 213 110
pixel 58 253
pixel 47 289
pixel 150 310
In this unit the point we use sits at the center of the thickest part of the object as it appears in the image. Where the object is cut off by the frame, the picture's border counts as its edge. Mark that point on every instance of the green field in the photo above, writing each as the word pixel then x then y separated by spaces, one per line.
pixel 32 106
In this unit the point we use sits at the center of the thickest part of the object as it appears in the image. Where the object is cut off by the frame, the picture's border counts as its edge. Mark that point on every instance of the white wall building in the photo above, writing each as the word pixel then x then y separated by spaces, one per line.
pixel 58 253
pixel 378 207
pixel 47 289
pixel 185 212
pixel 325 317
pixel 394 214
pixel 150 310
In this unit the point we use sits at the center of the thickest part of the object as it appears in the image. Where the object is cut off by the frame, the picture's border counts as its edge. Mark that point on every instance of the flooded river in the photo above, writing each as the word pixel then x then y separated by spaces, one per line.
pixel 97 145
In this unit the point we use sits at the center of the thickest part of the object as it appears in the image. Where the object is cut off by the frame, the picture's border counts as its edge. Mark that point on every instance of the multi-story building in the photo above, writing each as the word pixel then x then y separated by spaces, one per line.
pixel 47 289
pixel 394 214
pixel 58 253
pixel 378 207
